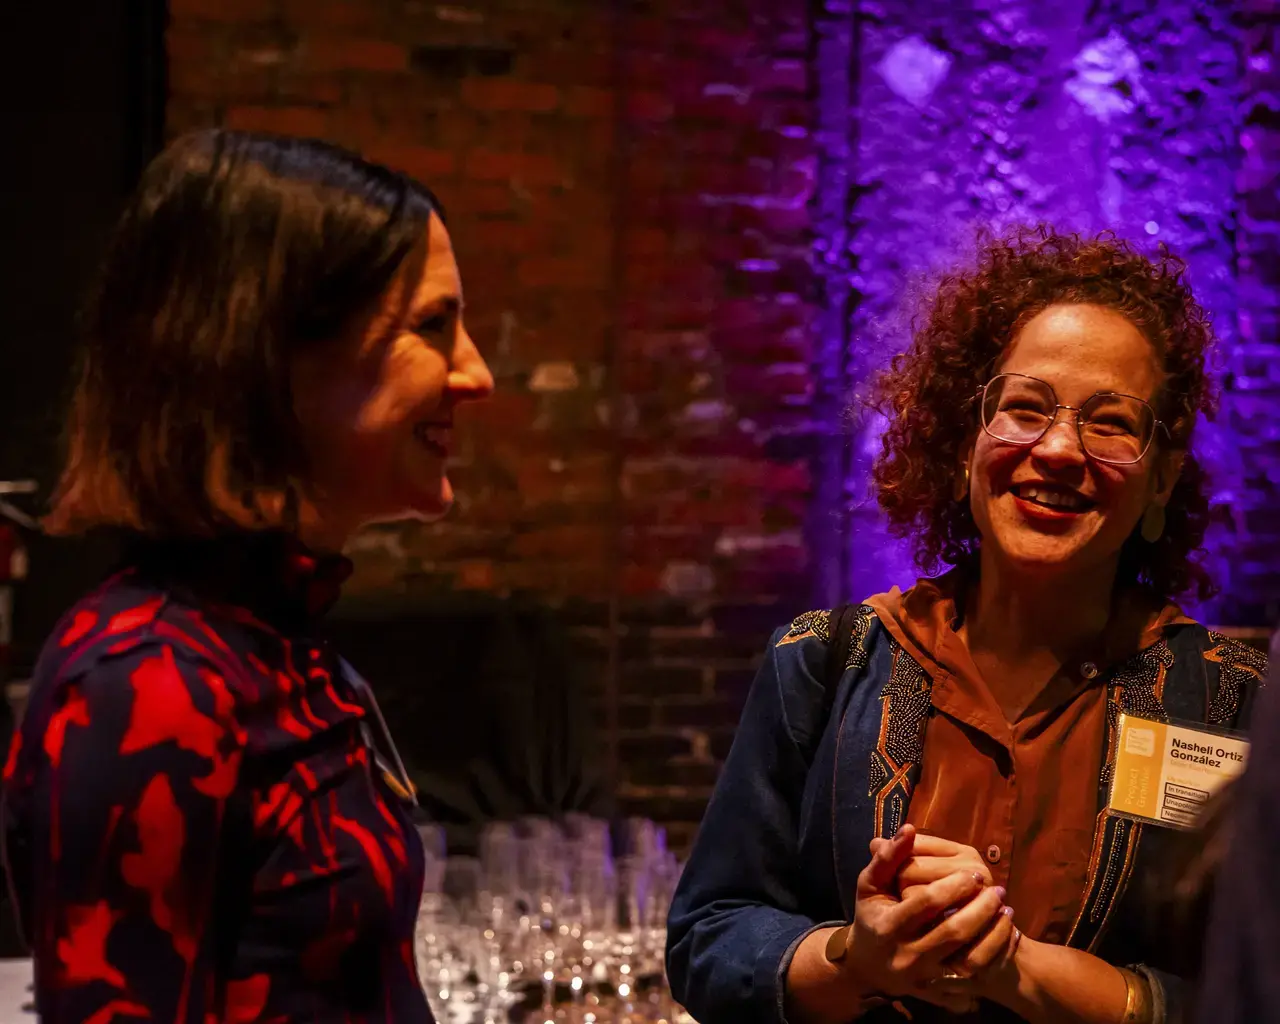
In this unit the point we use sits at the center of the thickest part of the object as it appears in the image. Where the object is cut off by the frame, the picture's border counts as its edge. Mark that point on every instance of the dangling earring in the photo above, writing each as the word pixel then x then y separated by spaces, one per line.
pixel 1153 523
pixel 962 484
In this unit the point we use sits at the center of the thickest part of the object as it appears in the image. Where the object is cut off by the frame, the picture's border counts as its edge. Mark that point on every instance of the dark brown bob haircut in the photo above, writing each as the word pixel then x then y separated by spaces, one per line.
pixel 927 394
pixel 236 252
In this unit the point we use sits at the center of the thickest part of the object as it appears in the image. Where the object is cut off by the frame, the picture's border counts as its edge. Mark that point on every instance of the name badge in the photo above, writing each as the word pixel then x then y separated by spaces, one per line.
pixel 1167 771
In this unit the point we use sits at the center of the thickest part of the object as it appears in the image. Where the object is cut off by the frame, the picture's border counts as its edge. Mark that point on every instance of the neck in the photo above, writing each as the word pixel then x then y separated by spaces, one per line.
pixel 1015 616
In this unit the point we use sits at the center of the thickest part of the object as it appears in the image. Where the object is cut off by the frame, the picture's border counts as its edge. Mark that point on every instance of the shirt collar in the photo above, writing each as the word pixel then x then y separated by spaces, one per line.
pixel 269 573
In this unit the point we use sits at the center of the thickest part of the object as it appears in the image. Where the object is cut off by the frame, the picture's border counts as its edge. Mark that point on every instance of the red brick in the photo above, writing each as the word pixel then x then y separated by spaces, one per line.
pixel 648 175
pixel 650 32
pixel 355 127
pixel 421 162
pixel 478 198
pixel 577 68
pixel 476 574
pixel 251 86
pixel 584 478
pixel 505 94
pixel 303 121
pixel 350 15
pixel 530 169
pixel 230 11
pixel 196 81
pixel 188 45
pixel 640 579
pixel 649 106
pixel 587 101
pixel 573 275
pixel 583 542
pixel 642 242
pixel 509 236
pixel 660 545
pixel 336 53
pixel 326 90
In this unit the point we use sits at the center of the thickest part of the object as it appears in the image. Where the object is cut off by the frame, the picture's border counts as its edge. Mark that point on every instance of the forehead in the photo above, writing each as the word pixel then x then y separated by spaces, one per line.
pixel 438 276
pixel 1082 349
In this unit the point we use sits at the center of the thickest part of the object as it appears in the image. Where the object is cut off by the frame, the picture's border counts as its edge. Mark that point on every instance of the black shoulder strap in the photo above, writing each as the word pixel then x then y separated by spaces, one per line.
pixel 840 622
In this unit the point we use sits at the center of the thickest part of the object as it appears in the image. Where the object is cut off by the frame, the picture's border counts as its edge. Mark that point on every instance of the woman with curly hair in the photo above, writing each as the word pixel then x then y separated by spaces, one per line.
pixel 915 774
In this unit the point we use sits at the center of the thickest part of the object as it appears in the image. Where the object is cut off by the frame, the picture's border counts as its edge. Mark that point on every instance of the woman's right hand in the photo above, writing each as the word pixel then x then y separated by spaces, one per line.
pixel 899 946
pixel 895 947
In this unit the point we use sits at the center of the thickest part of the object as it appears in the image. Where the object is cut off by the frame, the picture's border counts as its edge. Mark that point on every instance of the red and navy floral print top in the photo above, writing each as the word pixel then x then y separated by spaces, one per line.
pixel 195 828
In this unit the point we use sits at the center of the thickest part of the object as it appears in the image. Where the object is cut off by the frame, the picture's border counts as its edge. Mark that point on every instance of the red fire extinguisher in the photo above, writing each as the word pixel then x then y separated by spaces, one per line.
pixel 13 563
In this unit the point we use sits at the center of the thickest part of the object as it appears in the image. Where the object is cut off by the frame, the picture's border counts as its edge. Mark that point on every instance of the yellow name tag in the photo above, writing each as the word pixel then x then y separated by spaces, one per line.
pixel 1167 771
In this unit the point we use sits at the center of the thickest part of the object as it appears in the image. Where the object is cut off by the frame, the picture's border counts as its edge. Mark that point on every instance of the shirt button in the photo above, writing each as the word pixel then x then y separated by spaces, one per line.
pixel 993 854
pixel 1089 670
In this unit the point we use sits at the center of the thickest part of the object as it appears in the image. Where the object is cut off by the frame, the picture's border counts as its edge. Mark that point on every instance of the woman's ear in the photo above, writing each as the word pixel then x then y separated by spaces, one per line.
pixel 962 475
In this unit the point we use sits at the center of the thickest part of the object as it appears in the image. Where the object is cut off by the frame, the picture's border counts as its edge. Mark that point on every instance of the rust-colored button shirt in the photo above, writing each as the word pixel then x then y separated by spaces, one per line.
pixel 1024 794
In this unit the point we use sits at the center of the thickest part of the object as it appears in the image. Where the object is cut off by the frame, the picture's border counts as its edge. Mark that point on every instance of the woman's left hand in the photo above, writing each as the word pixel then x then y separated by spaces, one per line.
pixel 934 858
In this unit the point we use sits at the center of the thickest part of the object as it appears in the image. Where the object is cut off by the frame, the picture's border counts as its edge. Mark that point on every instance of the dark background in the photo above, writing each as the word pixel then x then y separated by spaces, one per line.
pixel 83 106
pixel 83 88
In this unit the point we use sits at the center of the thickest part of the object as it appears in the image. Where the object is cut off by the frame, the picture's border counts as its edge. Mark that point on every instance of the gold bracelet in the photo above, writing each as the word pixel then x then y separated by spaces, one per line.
pixel 1138 1008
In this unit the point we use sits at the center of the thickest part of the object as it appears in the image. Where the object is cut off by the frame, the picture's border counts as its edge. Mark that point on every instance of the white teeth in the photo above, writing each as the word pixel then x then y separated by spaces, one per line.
pixel 1057 499
pixel 441 437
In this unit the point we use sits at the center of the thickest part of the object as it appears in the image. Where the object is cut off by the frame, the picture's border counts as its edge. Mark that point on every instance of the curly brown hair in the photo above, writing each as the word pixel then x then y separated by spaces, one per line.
pixel 926 393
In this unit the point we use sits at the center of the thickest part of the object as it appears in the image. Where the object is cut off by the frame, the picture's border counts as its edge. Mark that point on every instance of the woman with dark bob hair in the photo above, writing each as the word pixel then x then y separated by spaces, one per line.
pixel 198 822
pixel 914 811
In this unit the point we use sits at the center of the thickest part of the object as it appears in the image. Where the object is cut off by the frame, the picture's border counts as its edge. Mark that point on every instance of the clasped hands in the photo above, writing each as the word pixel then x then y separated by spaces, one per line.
pixel 929 923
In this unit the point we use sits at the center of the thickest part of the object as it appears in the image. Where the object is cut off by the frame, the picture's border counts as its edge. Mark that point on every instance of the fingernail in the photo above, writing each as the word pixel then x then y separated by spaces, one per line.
pixel 901 829
pixel 948 912
pixel 977 877
pixel 1000 891
pixel 1007 911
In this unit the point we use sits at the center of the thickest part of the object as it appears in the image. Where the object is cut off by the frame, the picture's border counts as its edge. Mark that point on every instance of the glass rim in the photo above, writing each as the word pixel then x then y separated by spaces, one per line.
pixel 1156 422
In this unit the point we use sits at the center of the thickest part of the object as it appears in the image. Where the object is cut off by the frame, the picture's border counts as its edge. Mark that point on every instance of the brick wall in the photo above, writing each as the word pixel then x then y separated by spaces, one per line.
pixel 1255 366
pixel 628 196
pixel 637 194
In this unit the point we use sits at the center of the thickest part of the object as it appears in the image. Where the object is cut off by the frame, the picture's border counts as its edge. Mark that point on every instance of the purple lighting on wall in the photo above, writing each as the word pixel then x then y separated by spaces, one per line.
pixel 1150 120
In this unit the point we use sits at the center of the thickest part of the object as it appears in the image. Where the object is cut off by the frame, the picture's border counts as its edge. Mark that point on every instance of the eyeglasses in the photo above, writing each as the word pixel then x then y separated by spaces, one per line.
pixel 1117 429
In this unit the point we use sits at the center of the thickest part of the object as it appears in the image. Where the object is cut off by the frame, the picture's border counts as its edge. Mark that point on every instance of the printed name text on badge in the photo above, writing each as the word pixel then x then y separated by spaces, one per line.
pixel 1167 771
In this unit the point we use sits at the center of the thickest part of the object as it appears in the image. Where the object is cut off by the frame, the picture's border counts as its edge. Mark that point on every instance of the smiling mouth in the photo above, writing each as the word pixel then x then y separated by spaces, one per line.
pixel 435 437
pixel 1058 499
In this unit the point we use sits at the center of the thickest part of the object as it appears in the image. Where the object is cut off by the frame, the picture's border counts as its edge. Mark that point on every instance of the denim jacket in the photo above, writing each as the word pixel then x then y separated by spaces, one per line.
pixel 799 799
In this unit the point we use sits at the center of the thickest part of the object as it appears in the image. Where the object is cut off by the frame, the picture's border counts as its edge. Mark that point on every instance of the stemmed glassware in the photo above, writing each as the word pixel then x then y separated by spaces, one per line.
pixel 553 921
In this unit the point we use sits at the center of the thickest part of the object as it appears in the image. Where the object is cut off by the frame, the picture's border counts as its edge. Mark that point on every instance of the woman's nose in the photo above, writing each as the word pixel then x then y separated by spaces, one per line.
pixel 470 378
pixel 1061 442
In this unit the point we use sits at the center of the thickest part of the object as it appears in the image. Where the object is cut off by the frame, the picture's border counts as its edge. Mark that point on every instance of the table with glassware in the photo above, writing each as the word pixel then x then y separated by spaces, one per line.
pixel 551 922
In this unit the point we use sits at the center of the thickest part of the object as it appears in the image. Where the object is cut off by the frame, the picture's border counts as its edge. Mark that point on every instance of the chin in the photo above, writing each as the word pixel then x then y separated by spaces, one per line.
pixel 1046 563
pixel 421 507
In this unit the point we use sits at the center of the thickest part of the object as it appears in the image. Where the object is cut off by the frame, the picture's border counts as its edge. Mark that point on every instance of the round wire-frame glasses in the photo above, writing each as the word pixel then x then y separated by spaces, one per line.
pixel 1113 428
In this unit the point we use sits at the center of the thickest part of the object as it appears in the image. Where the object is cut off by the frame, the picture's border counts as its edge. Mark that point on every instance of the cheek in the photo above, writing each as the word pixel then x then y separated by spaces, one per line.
pixel 408 389
pixel 993 464
pixel 1123 492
